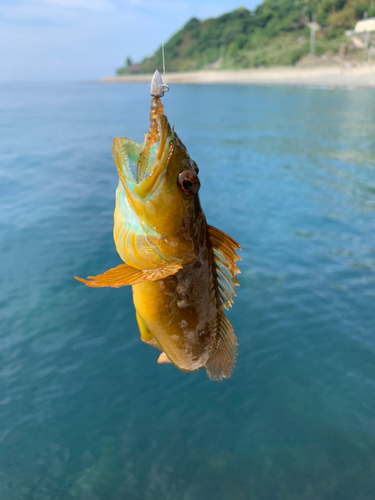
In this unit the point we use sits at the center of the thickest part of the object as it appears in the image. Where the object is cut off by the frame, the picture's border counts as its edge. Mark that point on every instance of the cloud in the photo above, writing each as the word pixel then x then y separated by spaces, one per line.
pixel 86 39
pixel 160 4
pixel 98 5
pixel 52 9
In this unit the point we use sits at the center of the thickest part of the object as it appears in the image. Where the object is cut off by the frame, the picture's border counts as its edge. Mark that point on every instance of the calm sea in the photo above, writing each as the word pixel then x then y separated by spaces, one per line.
pixel 85 411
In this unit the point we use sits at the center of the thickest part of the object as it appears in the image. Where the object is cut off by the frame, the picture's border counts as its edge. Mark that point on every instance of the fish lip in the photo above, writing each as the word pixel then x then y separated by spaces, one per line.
pixel 126 151
pixel 163 126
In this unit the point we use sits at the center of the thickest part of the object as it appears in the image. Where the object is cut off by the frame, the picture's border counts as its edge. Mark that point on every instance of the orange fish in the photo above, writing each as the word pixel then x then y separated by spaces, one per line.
pixel 182 271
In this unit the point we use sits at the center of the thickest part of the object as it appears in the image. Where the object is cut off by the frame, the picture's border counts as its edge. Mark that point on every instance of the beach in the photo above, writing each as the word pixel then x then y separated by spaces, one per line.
pixel 338 76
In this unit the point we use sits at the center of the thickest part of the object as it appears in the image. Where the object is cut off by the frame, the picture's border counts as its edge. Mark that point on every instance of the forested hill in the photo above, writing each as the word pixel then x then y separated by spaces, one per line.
pixel 274 33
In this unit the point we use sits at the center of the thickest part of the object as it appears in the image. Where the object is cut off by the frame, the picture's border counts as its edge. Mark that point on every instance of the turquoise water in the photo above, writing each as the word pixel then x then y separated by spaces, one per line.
pixel 85 411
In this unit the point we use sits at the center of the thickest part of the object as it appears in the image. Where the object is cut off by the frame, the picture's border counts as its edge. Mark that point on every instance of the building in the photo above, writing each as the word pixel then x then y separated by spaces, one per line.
pixel 365 25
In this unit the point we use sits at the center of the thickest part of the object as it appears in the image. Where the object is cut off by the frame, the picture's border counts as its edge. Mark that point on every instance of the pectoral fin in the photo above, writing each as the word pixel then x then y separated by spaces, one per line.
pixel 123 275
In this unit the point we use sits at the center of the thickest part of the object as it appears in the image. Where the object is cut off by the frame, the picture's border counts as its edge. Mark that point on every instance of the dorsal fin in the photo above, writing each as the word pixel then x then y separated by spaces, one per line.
pixel 224 248
pixel 223 359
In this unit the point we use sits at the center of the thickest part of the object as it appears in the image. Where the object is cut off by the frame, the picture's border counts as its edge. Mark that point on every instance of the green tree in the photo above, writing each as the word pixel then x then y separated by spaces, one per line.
pixel 271 34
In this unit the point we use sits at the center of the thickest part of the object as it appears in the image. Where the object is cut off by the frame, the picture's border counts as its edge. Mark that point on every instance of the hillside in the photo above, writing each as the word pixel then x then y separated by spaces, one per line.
pixel 275 33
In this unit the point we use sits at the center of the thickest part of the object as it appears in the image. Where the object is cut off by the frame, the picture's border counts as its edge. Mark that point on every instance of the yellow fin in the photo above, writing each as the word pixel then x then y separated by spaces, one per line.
pixel 163 358
pixel 224 248
pixel 222 361
pixel 123 275
pixel 224 239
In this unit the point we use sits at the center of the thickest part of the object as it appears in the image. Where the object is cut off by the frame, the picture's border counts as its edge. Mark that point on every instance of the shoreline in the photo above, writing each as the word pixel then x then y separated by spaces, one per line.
pixel 361 76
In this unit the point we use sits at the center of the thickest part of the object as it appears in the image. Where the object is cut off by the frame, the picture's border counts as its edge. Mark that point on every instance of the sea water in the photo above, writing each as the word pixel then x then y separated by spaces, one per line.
pixel 85 411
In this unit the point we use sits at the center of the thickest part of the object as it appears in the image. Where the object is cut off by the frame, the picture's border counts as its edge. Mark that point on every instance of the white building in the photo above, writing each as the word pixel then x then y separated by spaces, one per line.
pixel 365 25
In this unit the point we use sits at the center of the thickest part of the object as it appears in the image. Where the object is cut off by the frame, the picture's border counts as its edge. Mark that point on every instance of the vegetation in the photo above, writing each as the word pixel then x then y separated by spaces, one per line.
pixel 276 32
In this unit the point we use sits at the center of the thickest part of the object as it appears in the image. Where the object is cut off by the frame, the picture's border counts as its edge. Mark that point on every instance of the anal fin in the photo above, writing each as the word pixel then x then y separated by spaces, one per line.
pixel 222 361
pixel 123 275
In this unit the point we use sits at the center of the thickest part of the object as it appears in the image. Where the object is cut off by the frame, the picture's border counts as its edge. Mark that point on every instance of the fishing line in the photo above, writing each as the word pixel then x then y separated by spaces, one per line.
pixel 162 43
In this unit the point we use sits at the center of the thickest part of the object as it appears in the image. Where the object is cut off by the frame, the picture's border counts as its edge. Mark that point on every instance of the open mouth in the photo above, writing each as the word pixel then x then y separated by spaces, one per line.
pixel 141 165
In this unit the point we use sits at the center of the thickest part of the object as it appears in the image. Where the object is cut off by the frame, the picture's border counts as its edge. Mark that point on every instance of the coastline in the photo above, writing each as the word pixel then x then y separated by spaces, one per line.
pixel 361 76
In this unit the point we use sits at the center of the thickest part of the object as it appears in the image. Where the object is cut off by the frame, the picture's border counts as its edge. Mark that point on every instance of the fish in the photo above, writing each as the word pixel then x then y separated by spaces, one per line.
pixel 182 271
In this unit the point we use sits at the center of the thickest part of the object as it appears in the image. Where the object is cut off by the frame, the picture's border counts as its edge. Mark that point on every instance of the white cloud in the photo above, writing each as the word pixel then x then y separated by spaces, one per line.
pixel 52 9
pixel 98 5
pixel 86 39
pixel 160 4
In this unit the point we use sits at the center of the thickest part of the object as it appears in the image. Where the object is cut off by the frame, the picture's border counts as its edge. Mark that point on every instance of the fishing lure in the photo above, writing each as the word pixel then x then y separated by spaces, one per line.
pixel 182 271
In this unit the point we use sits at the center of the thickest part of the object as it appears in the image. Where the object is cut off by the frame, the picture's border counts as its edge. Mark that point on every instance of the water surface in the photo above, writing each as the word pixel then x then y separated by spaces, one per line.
pixel 85 411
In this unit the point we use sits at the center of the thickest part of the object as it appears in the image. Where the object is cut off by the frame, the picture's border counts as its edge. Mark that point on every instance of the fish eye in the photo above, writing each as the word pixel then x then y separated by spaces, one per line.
pixel 189 182
pixel 187 185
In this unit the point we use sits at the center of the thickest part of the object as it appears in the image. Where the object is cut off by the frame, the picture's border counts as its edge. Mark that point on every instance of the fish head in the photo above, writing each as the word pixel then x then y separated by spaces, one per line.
pixel 165 200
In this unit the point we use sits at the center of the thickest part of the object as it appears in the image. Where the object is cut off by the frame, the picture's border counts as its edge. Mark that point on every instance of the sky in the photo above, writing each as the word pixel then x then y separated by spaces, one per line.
pixel 74 40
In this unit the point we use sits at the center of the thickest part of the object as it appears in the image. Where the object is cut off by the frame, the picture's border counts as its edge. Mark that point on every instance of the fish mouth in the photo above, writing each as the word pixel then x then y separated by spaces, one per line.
pixel 126 155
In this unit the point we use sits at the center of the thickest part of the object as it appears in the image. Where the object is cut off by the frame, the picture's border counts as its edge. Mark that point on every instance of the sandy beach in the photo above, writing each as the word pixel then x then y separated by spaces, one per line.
pixel 360 76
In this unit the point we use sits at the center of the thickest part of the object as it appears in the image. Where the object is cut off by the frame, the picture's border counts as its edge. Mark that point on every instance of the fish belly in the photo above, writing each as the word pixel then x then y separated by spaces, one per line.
pixel 181 312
